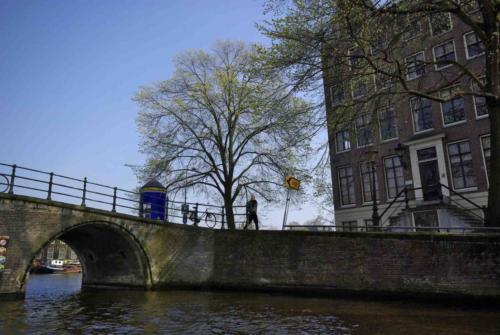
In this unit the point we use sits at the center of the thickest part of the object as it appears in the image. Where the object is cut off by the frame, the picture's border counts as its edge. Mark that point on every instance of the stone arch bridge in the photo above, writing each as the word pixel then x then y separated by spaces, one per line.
pixel 114 249
pixel 127 251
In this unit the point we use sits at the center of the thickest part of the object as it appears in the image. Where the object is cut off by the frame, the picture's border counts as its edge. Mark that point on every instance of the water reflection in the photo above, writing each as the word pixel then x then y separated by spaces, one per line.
pixel 55 305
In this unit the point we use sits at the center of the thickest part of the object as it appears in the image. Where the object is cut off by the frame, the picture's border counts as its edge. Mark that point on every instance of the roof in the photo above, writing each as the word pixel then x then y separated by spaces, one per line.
pixel 153 183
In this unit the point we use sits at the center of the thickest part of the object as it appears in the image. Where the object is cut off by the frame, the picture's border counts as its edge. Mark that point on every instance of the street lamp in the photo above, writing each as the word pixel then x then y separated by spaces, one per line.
pixel 371 155
pixel 401 150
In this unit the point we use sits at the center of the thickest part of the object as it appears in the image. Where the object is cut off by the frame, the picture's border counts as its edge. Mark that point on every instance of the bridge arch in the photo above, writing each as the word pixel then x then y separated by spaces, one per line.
pixel 110 255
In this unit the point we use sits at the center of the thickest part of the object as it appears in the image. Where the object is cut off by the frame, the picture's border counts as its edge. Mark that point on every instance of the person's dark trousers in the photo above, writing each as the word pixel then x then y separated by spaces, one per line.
pixel 250 217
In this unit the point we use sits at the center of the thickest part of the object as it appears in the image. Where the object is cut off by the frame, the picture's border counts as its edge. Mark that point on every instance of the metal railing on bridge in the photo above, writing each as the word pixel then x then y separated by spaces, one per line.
pixel 20 180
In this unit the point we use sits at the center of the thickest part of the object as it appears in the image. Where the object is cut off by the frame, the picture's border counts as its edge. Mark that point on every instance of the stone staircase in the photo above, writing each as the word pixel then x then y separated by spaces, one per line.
pixel 447 217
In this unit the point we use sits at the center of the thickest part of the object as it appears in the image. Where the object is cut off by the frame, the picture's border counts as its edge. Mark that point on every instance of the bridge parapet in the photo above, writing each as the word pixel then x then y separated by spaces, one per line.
pixel 51 186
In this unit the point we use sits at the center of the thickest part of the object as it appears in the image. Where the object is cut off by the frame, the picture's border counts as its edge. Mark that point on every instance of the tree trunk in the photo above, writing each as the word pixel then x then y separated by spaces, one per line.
pixel 228 204
pixel 491 27
pixel 493 212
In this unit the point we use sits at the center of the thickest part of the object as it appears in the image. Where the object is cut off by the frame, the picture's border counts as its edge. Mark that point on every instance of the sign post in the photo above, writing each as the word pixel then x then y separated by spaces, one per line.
pixel 291 183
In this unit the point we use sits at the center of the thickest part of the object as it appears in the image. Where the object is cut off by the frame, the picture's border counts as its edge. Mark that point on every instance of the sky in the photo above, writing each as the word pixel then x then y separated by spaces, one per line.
pixel 69 70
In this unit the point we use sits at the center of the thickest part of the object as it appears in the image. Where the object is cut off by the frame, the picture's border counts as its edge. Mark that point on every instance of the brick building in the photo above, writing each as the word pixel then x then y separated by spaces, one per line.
pixel 438 151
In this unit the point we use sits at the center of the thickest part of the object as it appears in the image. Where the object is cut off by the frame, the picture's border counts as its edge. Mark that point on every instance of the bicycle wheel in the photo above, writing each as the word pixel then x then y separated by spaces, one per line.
pixel 4 183
pixel 210 220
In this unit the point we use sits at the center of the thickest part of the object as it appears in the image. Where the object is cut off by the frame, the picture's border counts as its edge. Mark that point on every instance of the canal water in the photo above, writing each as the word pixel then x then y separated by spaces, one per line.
pixel 55 304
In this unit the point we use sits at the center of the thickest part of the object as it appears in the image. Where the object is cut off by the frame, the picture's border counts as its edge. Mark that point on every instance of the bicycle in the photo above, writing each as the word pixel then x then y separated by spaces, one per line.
pixel 209 218
pixel 4 183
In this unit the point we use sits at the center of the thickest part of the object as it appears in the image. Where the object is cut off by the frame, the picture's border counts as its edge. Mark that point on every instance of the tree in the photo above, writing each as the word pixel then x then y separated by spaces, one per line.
pixel 220 126
pixel 355 40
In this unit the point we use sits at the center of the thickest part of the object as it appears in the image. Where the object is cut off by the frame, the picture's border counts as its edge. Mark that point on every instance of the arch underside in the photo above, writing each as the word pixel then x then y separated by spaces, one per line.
pixel 109 255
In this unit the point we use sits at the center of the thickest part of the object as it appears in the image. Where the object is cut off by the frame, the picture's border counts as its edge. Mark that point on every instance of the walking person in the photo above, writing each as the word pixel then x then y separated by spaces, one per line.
pixel 252 213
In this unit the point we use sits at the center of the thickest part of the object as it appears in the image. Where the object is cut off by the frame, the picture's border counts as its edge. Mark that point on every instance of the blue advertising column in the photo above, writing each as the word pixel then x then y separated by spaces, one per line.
pixel 153 197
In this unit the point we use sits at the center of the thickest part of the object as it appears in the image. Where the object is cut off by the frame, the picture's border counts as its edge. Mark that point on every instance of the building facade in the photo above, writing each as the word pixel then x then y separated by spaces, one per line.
pixel 435 154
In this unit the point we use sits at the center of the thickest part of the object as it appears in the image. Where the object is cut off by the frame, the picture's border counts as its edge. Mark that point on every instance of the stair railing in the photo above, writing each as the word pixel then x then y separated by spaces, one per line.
pixel 461 196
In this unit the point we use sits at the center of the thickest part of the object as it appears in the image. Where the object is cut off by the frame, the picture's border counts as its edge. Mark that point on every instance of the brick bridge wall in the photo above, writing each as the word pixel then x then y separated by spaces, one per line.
pixel 123 250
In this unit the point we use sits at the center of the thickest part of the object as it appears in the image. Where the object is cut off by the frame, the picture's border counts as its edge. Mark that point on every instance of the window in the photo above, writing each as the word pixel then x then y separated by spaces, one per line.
pixel 383 80
pixel 473 45
pixel 379 43
pixel 443 54
pixel 415 65
pixel 440 23
pixel 468 6
pixel 349 225
pixel 364 130
pixel 461 165
pixel 413 29
pixel 394 175
pixel 426 154
pixel 346 182
pixel 422 114
pixel 62 252
pixel 361 86
pixel 343 140
pixel 453 108
pixel 486 145
pixel 337 94
pixel 356 58
pixel 480 105
pixel 50 252
pixel 367 170
pixel 388 125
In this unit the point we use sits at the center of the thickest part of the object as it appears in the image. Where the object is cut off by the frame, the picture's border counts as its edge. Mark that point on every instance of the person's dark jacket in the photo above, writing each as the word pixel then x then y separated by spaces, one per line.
pixel 252 206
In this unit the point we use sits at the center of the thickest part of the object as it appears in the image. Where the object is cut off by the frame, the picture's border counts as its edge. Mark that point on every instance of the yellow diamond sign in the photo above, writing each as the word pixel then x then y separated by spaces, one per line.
pixel 292 183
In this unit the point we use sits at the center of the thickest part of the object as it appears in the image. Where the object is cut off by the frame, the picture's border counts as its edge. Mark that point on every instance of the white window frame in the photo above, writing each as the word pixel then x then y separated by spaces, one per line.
pixel 335 141
pixel 417 21
pixel 413 117
pixel 442 114
pixel 439 68
pixel 380 128
pixel 466 47
pixel 465 189
pixel 478 117
pixel 346 95
pixel 444 32
pixel 342 205
pixel 376 191
pixel 356 131
pixel 389 198
pixel 369 78
pixel 349 55
pixel 484 158
pixel 406 65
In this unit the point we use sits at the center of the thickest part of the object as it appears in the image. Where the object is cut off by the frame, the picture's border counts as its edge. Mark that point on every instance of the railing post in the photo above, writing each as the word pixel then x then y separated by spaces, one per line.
pixel 222 220
pixel 49 192
pixel 196 214
pixel 114 200
pixel 84 190
pixel 485 214
pixel 12 179
pixel 407 200
pixel 166 208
